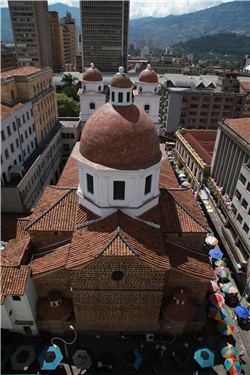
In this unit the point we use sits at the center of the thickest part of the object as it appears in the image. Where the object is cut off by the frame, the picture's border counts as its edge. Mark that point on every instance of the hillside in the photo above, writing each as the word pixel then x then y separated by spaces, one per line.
pixel 232 17
pixel 229 44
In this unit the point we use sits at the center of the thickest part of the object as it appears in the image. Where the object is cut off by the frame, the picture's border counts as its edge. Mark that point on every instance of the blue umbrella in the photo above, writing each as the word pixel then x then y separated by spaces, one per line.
pixel 50 358
pixel 204 357
pixel 216 253
pixel 183 168
pixel 242 312
pixel 183 179
pixel 132 359
pixel 5 355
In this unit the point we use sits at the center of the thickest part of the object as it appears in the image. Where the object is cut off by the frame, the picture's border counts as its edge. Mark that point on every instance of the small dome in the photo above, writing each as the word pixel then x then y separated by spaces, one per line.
pixel 181 294
pixel 121 138
pixel 92 74
pixel 121 79
pixel 148 75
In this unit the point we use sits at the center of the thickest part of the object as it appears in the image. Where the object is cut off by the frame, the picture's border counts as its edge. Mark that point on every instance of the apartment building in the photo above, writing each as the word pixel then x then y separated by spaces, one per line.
pixel 230 175
pixel 68 33
pixel 31 31
pixel 8 57
pixel 55 40
pixel 245 88
pixel 104 30
pixel 193 151
pixel 197 106
pixel 36 85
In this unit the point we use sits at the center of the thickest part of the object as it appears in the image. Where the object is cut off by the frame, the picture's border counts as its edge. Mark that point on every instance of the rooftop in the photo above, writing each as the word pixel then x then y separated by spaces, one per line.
pixel 7 109
pixel 21 71
pixel 241 126
pixel 13 281
pixel 202 143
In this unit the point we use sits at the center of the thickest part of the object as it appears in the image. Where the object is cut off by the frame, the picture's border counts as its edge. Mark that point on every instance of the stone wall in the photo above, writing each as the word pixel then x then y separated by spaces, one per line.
pixel 44 238
pixel 58 280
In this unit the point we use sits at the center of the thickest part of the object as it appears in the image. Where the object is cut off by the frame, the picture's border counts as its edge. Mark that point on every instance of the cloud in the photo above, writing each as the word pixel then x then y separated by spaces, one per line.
pixel 147 8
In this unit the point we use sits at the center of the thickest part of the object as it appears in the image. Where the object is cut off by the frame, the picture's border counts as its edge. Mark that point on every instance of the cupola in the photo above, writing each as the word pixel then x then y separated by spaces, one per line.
pixel 120 89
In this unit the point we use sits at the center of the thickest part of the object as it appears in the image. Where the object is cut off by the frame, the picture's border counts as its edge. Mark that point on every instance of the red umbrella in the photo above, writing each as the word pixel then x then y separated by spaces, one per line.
pixel 213 286
pixel 216 298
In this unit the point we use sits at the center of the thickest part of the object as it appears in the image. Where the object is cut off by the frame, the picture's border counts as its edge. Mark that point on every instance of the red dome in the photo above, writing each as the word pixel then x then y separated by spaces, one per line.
pixel 92 74
pixel 121 138
pixel 121 80
pixel 148 75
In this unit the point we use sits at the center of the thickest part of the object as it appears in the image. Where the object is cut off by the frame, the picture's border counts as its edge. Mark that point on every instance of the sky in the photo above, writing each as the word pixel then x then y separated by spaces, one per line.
pixel 153 8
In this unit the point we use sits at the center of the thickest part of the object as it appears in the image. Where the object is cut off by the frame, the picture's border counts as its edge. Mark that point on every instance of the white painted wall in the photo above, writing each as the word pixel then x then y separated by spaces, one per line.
pixel 91 92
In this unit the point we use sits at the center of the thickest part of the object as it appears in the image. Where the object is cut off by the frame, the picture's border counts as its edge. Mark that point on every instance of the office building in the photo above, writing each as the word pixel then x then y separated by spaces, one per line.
pixel 31 31
pixel 68 40
pixel 104 30
pixel 55 40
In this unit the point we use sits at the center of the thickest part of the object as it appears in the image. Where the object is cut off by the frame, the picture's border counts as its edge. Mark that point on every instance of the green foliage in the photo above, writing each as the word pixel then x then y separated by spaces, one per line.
pixel 71 92
pixel 67 107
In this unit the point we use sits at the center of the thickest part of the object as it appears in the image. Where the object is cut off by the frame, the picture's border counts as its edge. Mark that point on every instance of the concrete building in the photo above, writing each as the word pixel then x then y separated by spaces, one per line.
pixel 55 40
pixel 144 51
pixel 31 31
pixel 104 30
pixel 193 151
pixel 35 85
pixel 166 65
pixel 199 105
pixel 8 57
pixel 230 177
pixel 68 39
pixel 245 88
pixel 117 228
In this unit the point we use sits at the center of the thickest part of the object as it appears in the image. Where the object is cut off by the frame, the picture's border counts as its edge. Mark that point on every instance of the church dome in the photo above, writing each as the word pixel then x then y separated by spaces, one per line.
pixel 92 74
pixel 120 137
pixel 148 75
pixel 121 80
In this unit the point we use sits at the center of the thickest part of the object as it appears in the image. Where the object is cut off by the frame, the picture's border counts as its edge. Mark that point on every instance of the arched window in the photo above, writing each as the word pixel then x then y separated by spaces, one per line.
pixel 156 89
pixel 84 88
pixel 99 88
pixel 140 89
pixel 146 108
pixel 92 106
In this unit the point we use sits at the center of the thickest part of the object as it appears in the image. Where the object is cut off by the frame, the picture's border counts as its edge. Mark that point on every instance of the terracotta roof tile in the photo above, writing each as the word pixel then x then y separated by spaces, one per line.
pixel 168 178
pixel 240 126
pixel 189 262
pixel 15 251
pixel 45 260
pixel 202 143
pixel 7 109
pixel 60 216
pixel 22 71
pixel 84 215
pixel 95 240
pixel 152 216
pixel 13 228
pixel 13 281
pixel 69 176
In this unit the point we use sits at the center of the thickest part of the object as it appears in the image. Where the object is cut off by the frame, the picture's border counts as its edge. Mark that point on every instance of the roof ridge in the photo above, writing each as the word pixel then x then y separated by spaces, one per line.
pixel 49 209
pixel 176 201
pixel 16 218
pixel 118 234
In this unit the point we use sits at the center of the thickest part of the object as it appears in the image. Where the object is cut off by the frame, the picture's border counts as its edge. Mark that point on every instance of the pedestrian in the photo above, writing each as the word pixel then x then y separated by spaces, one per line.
pixel 241 355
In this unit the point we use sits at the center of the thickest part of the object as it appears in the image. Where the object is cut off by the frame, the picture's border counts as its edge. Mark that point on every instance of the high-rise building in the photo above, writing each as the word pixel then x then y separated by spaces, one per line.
pixel 104 27
pixel 30 25
pixel 55 39
pixel 68 39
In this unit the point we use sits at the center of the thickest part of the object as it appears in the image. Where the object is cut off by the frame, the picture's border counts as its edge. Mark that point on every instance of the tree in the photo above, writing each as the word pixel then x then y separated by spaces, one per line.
pixel 71 92
pixel 68 79
pixel 67 107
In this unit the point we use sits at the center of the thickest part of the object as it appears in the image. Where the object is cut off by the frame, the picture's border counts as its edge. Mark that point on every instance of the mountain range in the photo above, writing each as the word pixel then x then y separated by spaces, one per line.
pixel 232 17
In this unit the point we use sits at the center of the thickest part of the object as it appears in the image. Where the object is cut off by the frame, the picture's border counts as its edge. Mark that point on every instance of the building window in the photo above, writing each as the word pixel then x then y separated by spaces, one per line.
pixel 244 204
pixel 16 298
pixel 17 142
pixel 12 94
pixel 28 116
pixel 32 144
pixel 113 96
pixel 146 108
pixel 6 153
pixel 30 131
pixel 148 184
pixel 8 130
pixel 90 183
pixel 65 147
pixel 128 96
pixel 242 179
pixel 99 88
pixel 72 136
pixel 239 218
pixel 248 186
pixel 233 208
pixel 119 190
pixel 24 119
pixel 24 153
pixel 28 148
pixel 238 195
pixel 19 122
pixel 26 134
pixel 20 158
pixel 92 106
pixel 14 126
pixel 12 147
pixel 3 135
pixel 117 275
pixel 31 113
pixel 245 228
pixel 120 97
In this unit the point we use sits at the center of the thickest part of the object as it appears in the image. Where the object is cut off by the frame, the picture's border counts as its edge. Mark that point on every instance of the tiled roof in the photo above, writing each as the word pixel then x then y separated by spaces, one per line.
pixel 153 215
pixel 100 238
pixel 202 143
pixel 45 260
pixel 56 210
pixel 22 71
pixel 69 176
pixel 83 215
pixel 167 176
pixel 245 85
pixel 7 109
pixel 13 228
pixel 240 126
pixel 13 281
pixel 189 261
pixel 14 252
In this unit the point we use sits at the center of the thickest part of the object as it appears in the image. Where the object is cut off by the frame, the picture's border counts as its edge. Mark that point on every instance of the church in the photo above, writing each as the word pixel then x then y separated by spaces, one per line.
pixel 116 246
